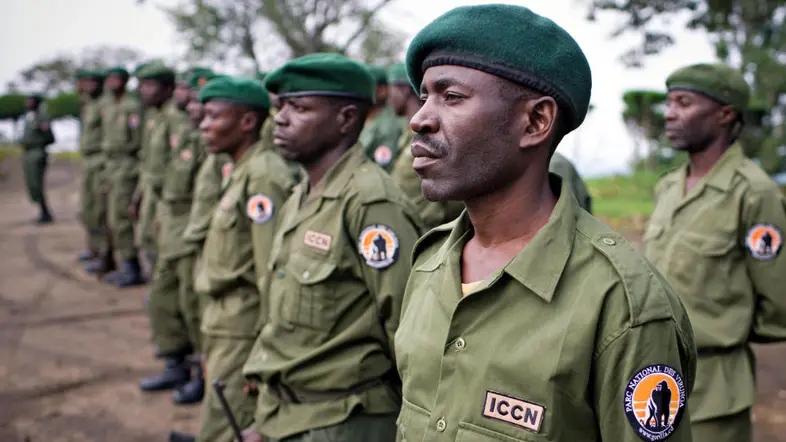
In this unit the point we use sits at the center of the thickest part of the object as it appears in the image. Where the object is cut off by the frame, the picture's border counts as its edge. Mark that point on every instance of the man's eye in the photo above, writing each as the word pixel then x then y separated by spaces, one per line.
pixel 452 96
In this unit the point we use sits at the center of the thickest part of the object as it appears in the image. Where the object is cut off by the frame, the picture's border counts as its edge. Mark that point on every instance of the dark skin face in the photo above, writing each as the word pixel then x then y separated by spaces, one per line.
pixel 31 103
pixel 195 109
pixel 226 126
pixel 115 83
pixel 398 94
pixel 91 86
pixel 154 93
pixel 182 96
pixel 309 127
pixel 381 95
pixel 474 138
pixel 695 122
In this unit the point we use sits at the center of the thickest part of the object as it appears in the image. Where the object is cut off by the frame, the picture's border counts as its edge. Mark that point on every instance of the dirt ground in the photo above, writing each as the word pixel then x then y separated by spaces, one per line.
pixel 72 349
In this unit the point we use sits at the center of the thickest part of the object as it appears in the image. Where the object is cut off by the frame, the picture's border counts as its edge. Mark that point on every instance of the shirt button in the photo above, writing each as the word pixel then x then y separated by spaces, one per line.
pixel 441 425
pixel 609 241
pixel 460 344
pixel 281 274
pixel 306 274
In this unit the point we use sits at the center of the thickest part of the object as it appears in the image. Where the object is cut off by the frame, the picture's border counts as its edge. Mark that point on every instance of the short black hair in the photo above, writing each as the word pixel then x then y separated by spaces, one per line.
pixel 363 107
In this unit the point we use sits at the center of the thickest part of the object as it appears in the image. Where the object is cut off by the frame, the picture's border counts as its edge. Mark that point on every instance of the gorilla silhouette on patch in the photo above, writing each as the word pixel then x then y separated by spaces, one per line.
pixel 380 248
pixel 658 406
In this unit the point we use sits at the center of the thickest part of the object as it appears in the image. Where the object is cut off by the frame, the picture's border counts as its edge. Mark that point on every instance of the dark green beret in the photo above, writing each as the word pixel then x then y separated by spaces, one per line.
pixel 322 74
pixel 380 73
pixel 260 76
pixel 716 81
pixel 199 79
pixel 118 70
pixel 511 42
pixel 243 91
pixel 156 71
pixel 397 74
pixel 85 74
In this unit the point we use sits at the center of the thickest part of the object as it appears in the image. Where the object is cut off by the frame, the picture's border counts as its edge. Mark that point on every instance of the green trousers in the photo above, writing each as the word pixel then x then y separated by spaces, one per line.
pixel 224 359
pixel 122 179
pixel 174 307
pixel 93 203
pixel 148 240
pixel 734 428
pixel 359 427
pixel 34 162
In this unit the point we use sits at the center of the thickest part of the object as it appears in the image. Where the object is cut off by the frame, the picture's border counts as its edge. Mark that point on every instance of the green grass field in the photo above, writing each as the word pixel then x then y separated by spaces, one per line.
pixel 624 201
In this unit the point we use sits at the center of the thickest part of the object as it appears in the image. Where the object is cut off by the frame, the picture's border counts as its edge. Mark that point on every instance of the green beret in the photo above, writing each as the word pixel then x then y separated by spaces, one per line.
pixel 322 74
pixel 397 74
pixel 243 91
pixel 716 81
pixel 260 76
pixel 155 71
pixel 199 79
pixel 510 42
pixel 118 70
pixel 92 74
pixel 380 73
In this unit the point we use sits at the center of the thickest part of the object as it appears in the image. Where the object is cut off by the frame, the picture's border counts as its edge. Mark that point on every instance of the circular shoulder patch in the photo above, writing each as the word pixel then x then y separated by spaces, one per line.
pixel 173 139
pixel 383 155
pixel 654 402
pixel 378 245
pixel 133 121
pixel 764 241
pixel 259 208
pixel 186 155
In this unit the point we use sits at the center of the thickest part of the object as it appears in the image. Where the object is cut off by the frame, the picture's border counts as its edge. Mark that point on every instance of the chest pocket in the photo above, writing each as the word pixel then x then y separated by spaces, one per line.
pixel 411 423
pixel 311 298
pixel 225 225
pixel 181 174
pixel 473 433
pixel 701 264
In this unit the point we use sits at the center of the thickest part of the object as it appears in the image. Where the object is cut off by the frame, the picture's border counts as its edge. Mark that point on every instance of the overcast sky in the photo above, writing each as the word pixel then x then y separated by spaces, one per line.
pixel 36 29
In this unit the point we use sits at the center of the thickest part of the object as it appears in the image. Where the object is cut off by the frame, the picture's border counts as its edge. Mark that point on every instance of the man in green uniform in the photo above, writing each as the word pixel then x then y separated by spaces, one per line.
pixel 567 171
pixel 240 237
pixel 405 103
pixel 716 234
pixel 337 271
pixel 173 305
pixel 382 130
pixel 122 131
pixel 36 136
pixel 90 88
pixel 163 122
pixel 526 318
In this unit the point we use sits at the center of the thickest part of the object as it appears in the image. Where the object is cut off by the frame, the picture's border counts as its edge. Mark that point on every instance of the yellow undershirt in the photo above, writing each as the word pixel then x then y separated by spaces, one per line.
pixel 470 287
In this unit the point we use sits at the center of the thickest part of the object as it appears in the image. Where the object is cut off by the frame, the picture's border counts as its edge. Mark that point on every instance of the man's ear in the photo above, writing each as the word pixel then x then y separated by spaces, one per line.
pixel 727 115
pixel 347 117
pixel 249 121
pixel 538 119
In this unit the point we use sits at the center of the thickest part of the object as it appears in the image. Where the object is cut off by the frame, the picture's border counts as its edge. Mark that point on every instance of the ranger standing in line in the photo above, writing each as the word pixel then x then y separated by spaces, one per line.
pixel 122 130
pixel 173 304
pixel 526 318
pixel 405 103
pixel 382 130
pixel 90 84
pixel 163 122
pixel 717 236
pixel 239 238
pixel 337 271
pixel 36 137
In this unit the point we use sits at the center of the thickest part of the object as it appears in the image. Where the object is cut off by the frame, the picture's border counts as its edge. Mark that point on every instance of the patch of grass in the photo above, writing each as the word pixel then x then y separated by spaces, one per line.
pixel 9 150
pixel 68 155
pixel 624 201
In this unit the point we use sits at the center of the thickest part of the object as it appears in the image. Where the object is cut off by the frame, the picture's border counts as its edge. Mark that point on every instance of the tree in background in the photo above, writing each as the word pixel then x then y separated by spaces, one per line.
pixel 749 34
pixel 643 116
pixel 262 34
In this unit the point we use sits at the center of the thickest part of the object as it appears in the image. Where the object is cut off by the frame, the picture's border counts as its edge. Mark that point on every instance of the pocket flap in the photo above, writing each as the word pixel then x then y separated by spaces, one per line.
pixel 708 245
pixel 309 271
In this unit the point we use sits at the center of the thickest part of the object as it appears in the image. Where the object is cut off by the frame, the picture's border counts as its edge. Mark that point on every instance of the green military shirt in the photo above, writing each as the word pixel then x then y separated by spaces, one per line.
pixel 239 238
pixel 37 132
pixel 432 213
pixel 565 169
pixel 122 128
pixel 90 130
pixel 162 129
pixel 213 173
pixel 336 280
pixel 568 342
pixel 178 191
pixel 380 137
pixel 718 245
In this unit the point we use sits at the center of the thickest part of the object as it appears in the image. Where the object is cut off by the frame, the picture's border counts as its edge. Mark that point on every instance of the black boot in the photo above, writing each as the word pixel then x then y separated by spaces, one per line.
pixel 176 436
pixel 88 255
pixel 192 392
pixel 45 217
pixel 102 265
pixel 129 275
pixel 176 373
